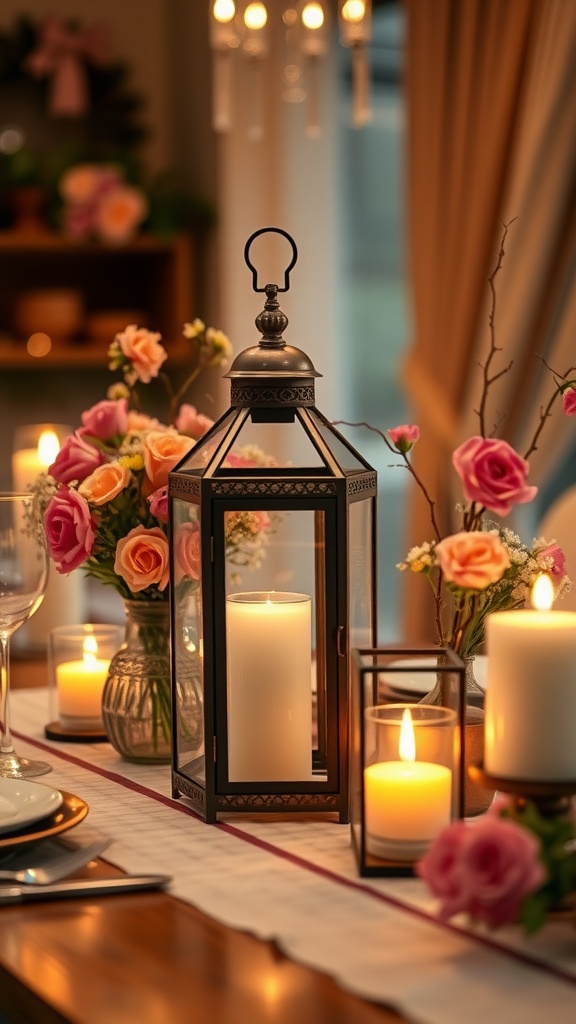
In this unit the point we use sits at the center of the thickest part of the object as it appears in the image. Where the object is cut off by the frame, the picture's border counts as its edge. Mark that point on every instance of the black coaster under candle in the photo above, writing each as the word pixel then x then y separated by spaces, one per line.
pixel 54 731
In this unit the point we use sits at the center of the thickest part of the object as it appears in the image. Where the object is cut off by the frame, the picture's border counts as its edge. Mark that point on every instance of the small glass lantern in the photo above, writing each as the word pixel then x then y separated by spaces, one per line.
pixel 273 553
pixel 78 662
pixel 407 756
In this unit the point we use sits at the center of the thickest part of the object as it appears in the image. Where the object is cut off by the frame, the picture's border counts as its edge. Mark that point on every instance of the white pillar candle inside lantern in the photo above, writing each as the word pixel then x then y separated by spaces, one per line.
pixel 531 692
pixel 268 641
pixel 407 802
pixel 35 449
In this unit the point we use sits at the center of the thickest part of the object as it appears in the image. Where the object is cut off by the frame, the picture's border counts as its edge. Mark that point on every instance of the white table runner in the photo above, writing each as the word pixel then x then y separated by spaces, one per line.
pixel 296 882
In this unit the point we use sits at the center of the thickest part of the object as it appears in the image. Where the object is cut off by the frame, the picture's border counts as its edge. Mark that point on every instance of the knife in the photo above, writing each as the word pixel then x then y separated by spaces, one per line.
pixel 72 887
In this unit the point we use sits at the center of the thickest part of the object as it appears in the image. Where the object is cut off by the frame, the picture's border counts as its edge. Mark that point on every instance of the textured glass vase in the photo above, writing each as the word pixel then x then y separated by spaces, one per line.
pixel 136 700
pixel 476 798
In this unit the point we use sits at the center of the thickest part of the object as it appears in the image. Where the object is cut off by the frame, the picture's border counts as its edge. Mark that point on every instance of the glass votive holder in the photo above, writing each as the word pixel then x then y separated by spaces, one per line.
pixel 78 662
pixel 407 778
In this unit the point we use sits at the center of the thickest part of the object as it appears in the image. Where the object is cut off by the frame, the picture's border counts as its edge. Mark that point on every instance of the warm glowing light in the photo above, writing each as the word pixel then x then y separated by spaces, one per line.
pixel 313 16
pixel 48 447
pixel 255 16
pixel 353 10
pixel 38 344
pixel 223 10
pixel 290 16
pixel 90 650
pixel 542 596
pixel 407 744
pixel 11 140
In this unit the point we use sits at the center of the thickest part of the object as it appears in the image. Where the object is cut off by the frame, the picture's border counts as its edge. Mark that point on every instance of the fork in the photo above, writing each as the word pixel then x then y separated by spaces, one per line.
pixel 65 864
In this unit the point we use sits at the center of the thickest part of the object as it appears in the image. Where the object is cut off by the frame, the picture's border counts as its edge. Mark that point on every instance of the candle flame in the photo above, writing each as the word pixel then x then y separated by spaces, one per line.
pixel 313 16
pixel 542 596
pixel 407 744
pixel 255 16
pixel 353 10
pixel 90 648
pixel 48 447
pixel 224 10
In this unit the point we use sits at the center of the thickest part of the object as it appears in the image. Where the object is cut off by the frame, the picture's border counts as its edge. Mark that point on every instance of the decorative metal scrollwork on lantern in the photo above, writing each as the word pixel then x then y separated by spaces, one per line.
pixel 273 549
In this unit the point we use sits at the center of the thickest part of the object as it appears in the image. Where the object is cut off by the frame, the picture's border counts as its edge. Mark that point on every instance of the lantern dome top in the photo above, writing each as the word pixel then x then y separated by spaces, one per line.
pixel 264 371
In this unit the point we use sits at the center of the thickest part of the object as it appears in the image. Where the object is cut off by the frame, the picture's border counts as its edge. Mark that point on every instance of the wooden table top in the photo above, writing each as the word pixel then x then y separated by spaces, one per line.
pixel 153 959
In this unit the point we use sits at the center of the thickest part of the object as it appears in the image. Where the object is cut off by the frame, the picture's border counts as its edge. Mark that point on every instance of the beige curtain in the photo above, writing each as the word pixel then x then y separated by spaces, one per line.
pixel 491 97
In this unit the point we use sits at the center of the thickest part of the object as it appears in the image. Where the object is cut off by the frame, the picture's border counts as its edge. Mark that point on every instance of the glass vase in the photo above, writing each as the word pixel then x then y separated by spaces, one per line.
pixel 476 798
pixel 136 700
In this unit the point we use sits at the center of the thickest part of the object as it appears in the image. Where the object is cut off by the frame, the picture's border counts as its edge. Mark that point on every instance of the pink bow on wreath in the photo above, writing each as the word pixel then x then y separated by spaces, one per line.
pixel 61 52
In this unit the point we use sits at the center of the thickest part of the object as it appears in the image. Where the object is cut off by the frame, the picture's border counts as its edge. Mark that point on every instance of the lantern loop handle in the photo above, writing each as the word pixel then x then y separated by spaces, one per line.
pixel 278 231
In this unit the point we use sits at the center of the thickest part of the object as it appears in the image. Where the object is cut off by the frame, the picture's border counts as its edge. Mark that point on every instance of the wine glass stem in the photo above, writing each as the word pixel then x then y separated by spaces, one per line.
pixel 6 746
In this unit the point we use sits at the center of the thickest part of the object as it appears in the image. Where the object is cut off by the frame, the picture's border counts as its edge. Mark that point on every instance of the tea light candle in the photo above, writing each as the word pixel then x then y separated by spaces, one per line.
pixel 79 686
pixel 407 802
pixel 269 656
pixel 531 692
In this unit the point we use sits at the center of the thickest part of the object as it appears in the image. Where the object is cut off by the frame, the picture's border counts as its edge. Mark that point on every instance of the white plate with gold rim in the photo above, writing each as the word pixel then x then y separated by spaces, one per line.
pixel 23 802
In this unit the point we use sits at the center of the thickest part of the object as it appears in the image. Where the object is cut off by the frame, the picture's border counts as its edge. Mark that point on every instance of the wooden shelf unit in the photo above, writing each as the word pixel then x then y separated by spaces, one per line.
pixel 152 274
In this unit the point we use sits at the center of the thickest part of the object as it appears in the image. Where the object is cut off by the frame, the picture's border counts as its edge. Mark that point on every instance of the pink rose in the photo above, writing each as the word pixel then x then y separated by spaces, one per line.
pixel 558 567
pixel 143 349
pixel 162 450
pixel 192 423
pixel 486 869
pixel 404 437
pixel 493 474
pixel 159 504
pixel 187 552
pixel 569 400
pixel 70 530
pixel 142 559
pixel 106 419
pixel 472 559
pixel 76 459
pixel 105 483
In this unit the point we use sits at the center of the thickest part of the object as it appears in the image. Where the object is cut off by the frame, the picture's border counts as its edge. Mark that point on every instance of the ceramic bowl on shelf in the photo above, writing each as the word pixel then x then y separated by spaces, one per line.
pixel 56 312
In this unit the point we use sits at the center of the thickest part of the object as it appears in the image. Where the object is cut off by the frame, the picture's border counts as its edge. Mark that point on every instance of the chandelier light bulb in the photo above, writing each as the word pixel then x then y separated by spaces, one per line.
pixel 313 16
pixel 223 11
pixel 353 11
pixel 255 16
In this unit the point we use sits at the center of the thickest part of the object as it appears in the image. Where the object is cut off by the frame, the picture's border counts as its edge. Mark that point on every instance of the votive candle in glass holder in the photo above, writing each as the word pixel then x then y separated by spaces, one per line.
pixel 407 778
pixel 78 662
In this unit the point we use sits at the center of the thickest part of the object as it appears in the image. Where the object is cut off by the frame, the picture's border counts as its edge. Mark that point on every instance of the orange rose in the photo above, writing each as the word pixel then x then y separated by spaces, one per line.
pixel 472 559
pixel 105 483
pixel 142 348
pixel 142 559
pixel 162 450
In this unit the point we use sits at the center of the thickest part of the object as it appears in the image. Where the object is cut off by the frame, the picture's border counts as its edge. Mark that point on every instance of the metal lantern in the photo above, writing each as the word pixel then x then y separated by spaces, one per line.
pixel 273 555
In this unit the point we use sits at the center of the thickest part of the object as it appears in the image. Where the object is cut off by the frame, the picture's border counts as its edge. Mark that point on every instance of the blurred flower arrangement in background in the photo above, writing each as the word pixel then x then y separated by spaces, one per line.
pixel 103 501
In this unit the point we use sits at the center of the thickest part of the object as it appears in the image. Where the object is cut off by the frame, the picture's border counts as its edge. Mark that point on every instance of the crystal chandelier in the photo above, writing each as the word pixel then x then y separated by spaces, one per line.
pixel 244 30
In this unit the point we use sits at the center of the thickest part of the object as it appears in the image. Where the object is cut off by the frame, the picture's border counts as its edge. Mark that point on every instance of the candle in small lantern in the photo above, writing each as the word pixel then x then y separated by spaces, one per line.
pixel 407 802
pixel 531 692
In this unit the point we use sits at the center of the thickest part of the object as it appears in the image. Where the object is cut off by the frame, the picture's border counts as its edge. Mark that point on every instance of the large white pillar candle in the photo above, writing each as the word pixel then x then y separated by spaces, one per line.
pixel 64 595
pixel 269 658
pixel 406 802
pixel 531 695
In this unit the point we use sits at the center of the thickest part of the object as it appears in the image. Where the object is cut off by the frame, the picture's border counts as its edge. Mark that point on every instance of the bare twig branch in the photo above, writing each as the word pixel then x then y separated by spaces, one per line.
pixel 487 379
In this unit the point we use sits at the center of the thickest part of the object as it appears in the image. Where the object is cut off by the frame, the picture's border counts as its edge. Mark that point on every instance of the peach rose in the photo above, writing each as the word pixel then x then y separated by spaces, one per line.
pixel 105 483
pixel 143 349
pixel 119 213
pixel 142 559
pixel 162 451
pixel 472 559
pixel 187 552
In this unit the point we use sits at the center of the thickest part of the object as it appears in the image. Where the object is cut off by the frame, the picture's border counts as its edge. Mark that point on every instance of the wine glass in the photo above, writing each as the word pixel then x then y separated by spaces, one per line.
pixel 23 575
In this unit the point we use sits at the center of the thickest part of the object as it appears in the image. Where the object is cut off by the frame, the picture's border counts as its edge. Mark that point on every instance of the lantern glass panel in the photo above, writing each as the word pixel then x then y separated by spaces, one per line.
pixel 346 458
pixel 361 573
pixel 188 639
pixel 204 450
pixel 276 645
